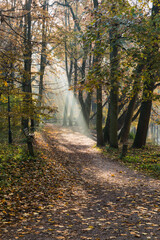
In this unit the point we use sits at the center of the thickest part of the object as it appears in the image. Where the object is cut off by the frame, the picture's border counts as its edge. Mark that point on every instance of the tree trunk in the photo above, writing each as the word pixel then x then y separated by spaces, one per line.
pixel 107 127
pixel 97 65
pixel 114 66
pixel 131 107
pixel 71 112
pixel 88 107
pixel 65 114
pixel 128 119
pixel 100 139
pixel 113 118
pixel 30 147
pixel 69 71
pixel 142 129
pixel 43 56
pixel 75 84
pixel 151 50
pixel 26 86
pixel 83 103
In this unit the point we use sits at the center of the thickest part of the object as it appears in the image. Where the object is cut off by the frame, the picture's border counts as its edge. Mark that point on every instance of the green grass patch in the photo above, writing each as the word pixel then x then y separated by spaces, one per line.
pixel 146 159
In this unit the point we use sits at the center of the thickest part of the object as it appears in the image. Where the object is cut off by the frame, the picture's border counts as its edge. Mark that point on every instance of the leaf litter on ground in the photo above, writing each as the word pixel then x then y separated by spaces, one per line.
pixel 72 191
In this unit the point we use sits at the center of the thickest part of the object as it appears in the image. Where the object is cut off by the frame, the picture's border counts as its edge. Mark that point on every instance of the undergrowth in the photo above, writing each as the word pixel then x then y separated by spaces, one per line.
pixel 146 159
pixel 26 183
pixel 12 158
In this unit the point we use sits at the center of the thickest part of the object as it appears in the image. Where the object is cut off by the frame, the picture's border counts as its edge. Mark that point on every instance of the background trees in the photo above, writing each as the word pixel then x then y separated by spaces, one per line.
pixel 108 50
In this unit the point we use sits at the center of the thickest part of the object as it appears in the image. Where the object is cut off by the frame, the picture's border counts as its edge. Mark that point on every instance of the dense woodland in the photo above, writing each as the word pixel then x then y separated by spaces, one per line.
pixel 109 51
pixel 65 65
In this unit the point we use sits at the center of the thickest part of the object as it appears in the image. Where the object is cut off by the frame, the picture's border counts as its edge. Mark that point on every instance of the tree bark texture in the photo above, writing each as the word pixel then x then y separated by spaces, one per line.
pixel 114 66
pixel 43 55
pixel 145 111
pixel 26 86
pixel 132 104
pixel 151 52
pixel 107 127
pixel 100 139
pixel 97 65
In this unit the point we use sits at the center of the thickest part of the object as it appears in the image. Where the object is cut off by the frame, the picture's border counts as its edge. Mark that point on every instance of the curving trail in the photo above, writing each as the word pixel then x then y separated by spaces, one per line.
pixel 101 199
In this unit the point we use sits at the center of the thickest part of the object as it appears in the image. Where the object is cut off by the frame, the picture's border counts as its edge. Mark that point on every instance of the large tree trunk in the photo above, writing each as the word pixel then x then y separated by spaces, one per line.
pixel 84 104
pixel 88 107
pixel 69 70
pixel 43 55
pixel 142 129
pixel 132 104
pixel 107 127
pixel 114 66
pixel 151 50
pixel 97 66
pixel 100 139
pixel 71 117
pixel 128 119
pixel 26 86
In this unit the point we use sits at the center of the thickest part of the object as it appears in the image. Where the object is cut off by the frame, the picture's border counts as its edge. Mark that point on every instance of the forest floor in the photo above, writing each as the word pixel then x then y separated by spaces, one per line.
pixel 80 194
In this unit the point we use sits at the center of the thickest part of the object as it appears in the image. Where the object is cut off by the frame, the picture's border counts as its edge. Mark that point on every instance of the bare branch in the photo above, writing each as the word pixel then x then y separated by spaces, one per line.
pixel 71 10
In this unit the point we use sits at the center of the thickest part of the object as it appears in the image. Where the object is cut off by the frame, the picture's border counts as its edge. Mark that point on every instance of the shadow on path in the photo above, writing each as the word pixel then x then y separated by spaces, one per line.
pixel 106 201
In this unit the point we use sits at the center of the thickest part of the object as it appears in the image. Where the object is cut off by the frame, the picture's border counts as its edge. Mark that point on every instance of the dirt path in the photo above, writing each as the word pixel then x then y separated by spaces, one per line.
pixel 102 200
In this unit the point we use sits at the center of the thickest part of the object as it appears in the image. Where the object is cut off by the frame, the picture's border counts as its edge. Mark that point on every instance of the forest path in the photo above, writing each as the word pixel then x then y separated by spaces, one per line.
pixel 101 199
